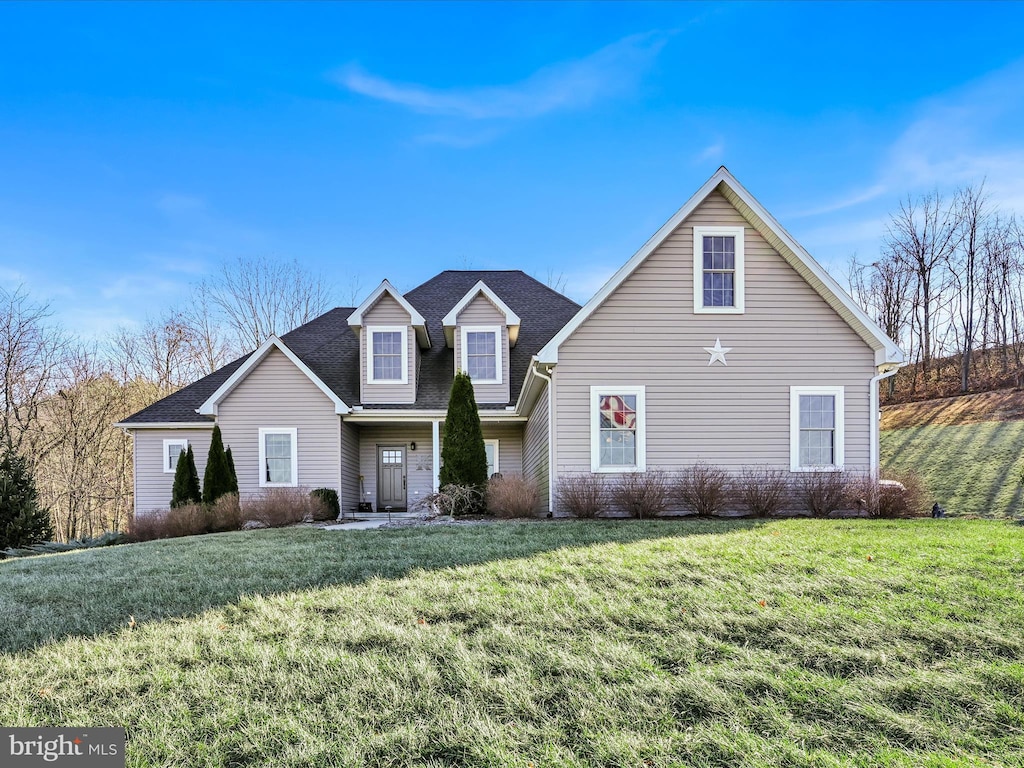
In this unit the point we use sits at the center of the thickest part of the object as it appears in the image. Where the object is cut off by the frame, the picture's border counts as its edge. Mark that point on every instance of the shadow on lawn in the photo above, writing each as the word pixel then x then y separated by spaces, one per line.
pixel 48 599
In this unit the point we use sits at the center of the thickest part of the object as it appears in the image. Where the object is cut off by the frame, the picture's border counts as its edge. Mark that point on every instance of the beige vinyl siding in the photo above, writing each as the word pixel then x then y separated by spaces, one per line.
pixel 646 333
pixel 419 463
pixel 152 484
pixel 510 446
pixel 387 312
pixel 276 394
pixel 480 311
pixel 535 449
pixel 349 466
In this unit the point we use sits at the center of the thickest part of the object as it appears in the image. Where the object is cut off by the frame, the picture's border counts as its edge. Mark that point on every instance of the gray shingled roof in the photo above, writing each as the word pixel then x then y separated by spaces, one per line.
pixel 331 350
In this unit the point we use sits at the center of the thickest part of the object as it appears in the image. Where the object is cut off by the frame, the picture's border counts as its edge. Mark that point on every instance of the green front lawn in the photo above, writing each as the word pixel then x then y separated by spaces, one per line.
pixel 781 643
pixel 970 469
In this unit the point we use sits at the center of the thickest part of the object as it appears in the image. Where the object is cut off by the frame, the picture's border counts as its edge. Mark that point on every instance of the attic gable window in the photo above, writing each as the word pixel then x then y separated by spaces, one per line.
pixel 481 353
pixel 388 355
pixel 718 278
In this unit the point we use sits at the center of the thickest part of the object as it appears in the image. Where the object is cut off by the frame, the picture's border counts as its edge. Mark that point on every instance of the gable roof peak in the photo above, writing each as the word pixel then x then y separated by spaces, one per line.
pixel 415 318
pixel 481 288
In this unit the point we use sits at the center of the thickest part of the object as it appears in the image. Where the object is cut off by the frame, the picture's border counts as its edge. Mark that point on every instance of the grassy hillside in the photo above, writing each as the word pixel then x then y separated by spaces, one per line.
pixel 970 450
pixel 664 643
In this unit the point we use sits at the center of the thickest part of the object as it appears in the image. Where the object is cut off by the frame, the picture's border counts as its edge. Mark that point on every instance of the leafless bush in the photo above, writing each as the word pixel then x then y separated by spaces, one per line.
pixel 186 520
pixel 901 495
pixel 455 500
pixel 276 507
pixel 821 493
pixel 763 490
pixel 642 494
pixel 703 488
pixel 582 494
pixel 512 495
pixel 225 514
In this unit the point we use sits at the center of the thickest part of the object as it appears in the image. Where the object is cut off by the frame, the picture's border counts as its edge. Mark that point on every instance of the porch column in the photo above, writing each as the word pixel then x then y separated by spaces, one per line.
pixel 436 424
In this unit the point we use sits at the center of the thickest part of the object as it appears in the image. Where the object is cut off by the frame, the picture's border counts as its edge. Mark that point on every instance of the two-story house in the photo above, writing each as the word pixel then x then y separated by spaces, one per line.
pixel 721 340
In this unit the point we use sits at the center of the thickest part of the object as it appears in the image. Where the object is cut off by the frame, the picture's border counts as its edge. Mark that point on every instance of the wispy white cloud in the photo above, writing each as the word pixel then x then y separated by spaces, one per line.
pixel 952 139
pixel 712 152
pixel 148 284
pixel 614 69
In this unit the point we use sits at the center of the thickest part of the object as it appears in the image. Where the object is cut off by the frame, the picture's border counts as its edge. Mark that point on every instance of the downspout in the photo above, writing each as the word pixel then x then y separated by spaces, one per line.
pixel 551 465
pixel 875 409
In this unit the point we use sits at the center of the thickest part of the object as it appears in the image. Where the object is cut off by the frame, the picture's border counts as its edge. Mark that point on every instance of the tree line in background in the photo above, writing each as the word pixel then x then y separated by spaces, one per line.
pixel 60 396
pixel 947 286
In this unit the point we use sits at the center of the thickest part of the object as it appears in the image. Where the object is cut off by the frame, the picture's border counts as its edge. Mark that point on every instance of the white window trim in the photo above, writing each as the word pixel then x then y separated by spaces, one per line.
pixel 699 233
pixel 794 427
pixel 293 433
pixel 641 427
pixel 496 444
pixel 167 444
pixel 464 355
pixel 404 330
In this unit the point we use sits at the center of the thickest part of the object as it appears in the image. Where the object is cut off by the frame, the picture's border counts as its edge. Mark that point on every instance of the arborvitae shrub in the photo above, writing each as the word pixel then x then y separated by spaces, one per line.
pixel 217 478
pixel 463 456
pixel 328 497
pixel 22 521
pixel 231 466
pixel 186 480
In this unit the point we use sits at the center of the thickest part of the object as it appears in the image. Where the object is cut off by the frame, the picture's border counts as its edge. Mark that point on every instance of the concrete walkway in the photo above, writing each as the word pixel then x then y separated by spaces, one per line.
pixel 356 525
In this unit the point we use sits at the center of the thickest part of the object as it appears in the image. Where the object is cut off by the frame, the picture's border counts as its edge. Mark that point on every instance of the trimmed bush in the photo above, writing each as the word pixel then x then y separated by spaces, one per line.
pixel 186 520
pixel 22 521
pixel 225 514
pixel 186 480
pixel 328 499
pixel 217 479
pixel 512 495
pixel 277 507
pixel 463 455
pixel 902 495
pixel 763 490
pixel 455 500
pixel 821 493
pixel 582 495
pixel 703 488
pixel 642 494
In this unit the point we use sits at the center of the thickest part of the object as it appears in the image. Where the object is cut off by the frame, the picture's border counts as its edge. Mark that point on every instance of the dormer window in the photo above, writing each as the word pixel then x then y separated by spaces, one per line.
pixel 481 353
pixel 718 270
pixel 389 355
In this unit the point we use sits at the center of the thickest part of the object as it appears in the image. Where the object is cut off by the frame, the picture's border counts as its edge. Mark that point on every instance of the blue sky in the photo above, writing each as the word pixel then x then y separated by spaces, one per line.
pixel 142 144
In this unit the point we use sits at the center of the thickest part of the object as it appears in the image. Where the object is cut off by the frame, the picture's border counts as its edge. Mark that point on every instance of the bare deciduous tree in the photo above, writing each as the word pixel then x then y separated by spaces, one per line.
pixel 263 296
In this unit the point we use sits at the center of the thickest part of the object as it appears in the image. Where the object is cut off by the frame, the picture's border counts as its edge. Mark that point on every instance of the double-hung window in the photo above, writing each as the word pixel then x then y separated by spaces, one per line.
pixel 279 461
pixel 481 353
pixel 617 429
pixel 816 428
pixel 172 449
pixel 718 270
pixel 388 355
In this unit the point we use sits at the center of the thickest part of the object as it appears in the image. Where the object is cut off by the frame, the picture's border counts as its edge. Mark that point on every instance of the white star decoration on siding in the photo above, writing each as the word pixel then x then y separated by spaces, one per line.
pixel 717 353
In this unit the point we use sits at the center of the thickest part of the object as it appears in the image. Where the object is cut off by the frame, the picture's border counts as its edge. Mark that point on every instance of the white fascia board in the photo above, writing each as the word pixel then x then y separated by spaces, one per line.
pixel 165 425
pixel 511 318
pixel 415 318
pixel 424 416
pixel 210 406
pixel 886 351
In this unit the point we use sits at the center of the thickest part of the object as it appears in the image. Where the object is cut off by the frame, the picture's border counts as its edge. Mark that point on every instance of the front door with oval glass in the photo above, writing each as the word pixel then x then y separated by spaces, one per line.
pixel 390 477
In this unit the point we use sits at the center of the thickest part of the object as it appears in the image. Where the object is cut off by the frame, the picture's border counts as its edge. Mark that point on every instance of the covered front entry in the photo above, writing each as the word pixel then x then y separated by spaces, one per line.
pixel 391 477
